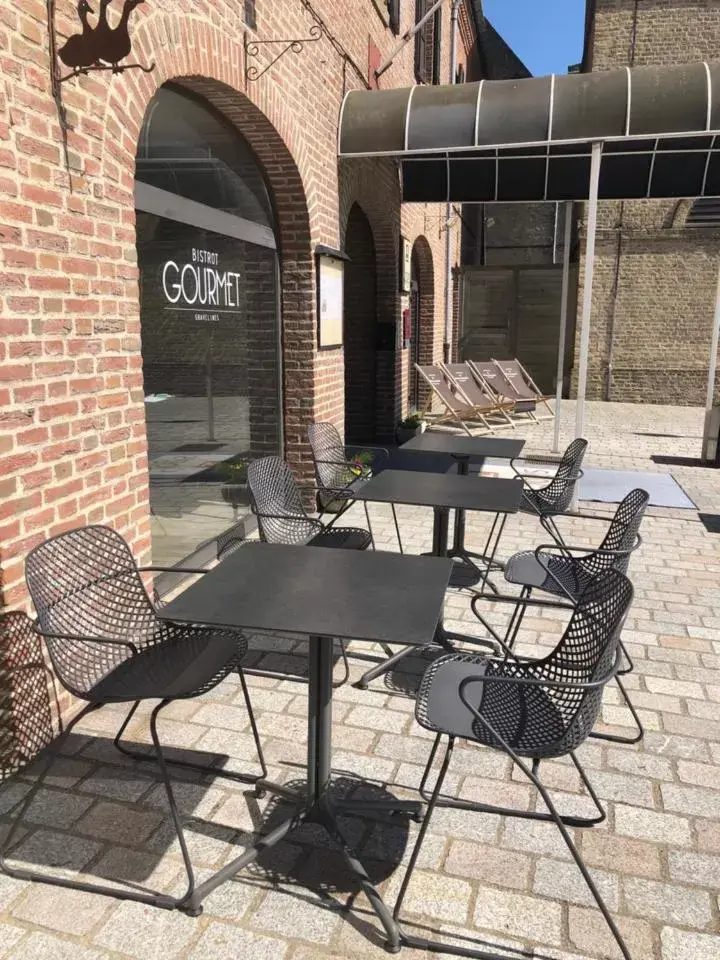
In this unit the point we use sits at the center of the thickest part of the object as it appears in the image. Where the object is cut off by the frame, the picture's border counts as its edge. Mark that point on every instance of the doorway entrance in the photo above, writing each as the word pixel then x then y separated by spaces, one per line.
pixel 360 330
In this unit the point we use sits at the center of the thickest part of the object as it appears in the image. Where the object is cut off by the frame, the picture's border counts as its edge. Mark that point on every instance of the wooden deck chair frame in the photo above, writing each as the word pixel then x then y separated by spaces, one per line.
pixel 516 400
pixel 501 408
pixel 540 397
pixel 453 414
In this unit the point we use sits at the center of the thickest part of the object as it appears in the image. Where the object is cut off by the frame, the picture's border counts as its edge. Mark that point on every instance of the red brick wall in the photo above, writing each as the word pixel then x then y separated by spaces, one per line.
pixel 72 444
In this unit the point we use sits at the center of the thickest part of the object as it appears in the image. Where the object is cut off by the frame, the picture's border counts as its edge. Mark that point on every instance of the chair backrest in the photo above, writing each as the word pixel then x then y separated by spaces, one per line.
pixel 493 378
pixel 86 583
pixel 332 470
pixel 468 385
pixel 277 503
pixel 621 535
pixel 437 380
pixel 513 373
pixel 585 653
pixel 557 496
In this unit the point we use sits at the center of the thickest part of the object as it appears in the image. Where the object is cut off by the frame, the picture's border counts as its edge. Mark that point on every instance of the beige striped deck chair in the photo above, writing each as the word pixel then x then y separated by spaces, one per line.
pixel 523 384
pixel 456 410
pixel 498 386
pixel 476 394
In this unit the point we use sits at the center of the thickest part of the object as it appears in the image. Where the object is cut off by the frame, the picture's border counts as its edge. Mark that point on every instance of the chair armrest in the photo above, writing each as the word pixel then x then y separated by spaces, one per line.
pixel 536 682
pixel 184 570
pixel 292 516
pixel 81 638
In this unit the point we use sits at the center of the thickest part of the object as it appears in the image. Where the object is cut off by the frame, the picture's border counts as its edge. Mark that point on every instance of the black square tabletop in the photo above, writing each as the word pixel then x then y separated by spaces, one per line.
pixel 488 494
pixel 475 447
pixel 349 594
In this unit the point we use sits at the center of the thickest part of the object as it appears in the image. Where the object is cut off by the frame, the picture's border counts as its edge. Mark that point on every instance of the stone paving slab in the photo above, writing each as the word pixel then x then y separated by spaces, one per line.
pixel 481 878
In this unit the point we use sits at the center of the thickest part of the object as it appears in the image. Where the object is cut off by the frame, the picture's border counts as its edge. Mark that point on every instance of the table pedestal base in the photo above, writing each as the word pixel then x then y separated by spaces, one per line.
pixel 319 806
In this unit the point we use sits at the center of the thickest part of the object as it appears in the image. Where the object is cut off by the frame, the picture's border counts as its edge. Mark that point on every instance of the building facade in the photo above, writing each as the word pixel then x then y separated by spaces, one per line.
pixel 161 238
pixel 657 261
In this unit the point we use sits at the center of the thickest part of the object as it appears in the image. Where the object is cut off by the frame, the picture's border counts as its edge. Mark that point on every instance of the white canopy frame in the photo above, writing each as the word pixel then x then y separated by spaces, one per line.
pixel 641 132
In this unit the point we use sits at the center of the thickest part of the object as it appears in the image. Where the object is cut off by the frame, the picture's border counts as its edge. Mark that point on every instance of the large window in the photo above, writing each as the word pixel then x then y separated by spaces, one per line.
pixel 209 321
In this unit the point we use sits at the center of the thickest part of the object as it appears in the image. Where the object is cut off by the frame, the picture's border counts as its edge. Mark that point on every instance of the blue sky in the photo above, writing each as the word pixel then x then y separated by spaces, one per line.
pixel 547 35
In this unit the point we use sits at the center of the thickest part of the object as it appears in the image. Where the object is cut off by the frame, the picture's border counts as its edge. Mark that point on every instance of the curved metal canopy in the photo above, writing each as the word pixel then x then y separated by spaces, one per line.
pixel 531 140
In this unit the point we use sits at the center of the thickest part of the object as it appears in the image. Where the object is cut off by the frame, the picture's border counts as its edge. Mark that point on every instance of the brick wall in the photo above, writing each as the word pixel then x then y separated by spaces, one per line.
pixel 73 442
pixel 655 279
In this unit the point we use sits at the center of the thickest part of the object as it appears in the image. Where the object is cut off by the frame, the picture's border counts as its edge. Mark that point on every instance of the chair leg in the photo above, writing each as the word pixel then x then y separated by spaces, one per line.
pixel 560 822
pixel 175 813
pixel 479 807
pixel 367 517
pixel 21 873
pixel 253 724
pixel 616 737
pixel 425 825
pixel 397 527
pixel 630 664
pixel 144 756
pixel 346 666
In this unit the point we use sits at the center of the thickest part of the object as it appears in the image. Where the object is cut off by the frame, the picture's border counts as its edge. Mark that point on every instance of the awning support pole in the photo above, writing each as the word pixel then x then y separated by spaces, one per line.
pixel 597 149
pixel 712 370
pixel 449 286
pixel 407 37
pixel 563 322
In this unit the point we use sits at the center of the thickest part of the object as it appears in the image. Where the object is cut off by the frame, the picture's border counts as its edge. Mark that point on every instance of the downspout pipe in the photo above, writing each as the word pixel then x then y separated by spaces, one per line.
pixel 447 345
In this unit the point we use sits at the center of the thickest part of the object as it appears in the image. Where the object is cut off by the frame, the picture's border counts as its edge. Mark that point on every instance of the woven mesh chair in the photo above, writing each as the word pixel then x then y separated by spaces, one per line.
pixel 556 496
pixel 565 573
pixel 531 710
pixel 336 474
pixel 277 503
pixel 108 645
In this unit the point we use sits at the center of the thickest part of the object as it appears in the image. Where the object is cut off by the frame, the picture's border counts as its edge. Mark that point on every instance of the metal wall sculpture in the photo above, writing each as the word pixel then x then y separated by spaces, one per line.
pixel 100 47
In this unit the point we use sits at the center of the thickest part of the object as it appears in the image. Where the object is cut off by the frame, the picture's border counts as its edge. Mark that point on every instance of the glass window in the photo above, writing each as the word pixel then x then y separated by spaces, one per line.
pixel 186 149
pixel 210 343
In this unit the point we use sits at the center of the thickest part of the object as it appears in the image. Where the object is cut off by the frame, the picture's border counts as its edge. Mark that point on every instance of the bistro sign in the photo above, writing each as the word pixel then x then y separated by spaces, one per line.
pixel 200 287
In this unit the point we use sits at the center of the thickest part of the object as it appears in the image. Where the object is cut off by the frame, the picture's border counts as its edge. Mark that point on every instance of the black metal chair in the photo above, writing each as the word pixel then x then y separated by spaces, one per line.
pixel 556 496
pixel 277 503
pixel 530 709
pixel 108 645
pixel 336 474
pixel 565 572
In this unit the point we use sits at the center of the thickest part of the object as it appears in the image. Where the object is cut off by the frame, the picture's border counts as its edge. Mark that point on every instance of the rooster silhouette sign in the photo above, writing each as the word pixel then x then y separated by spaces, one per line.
pixel 101 47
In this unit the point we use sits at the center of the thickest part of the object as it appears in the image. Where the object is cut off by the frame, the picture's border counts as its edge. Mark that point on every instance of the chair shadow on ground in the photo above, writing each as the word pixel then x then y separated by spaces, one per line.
pixel 70 827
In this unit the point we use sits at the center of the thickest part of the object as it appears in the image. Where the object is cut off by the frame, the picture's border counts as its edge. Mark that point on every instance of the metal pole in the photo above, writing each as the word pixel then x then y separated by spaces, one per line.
pixel 407 37
pixel 447 346
pixel 587 287
pixel 563 323
pixel 710 396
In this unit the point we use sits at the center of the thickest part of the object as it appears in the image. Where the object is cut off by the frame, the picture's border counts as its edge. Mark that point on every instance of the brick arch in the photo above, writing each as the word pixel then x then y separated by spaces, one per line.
pixel 424 273
pixel 368 184
pixel 193 54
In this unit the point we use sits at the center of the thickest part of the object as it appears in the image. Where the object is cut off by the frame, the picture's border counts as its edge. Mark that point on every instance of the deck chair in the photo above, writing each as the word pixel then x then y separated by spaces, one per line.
pixel 492 379
pixel 524 385
pixel 456 409
pixel 473 392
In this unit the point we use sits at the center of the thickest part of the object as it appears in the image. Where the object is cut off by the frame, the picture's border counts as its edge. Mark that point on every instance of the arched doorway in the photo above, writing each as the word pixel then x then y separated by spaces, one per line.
pixel 209 310
pixel 360 333
pixel 422 306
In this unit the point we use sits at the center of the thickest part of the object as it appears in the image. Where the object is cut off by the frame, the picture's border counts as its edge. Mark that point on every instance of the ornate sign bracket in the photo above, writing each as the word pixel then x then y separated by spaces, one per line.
pixel 252 49
pixel 95 48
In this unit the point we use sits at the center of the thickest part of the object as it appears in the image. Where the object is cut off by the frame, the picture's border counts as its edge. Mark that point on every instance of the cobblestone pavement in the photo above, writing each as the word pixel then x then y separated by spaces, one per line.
pixel 498 881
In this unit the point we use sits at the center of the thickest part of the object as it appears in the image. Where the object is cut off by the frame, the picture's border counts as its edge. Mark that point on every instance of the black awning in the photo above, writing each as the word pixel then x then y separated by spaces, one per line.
pixel 531 140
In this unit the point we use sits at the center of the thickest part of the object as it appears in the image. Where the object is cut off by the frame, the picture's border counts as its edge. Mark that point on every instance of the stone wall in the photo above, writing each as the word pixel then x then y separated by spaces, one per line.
pixel 655 278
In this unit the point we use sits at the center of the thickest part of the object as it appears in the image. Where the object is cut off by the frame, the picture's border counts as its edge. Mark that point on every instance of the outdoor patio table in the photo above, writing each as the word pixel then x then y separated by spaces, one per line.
pixel 326 594
pixel 444 492
pixel 463 450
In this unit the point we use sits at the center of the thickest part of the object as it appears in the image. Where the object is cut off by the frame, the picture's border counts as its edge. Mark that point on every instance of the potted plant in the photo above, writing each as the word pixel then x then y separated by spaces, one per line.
pixel 360 465
pixel 235 489
pixel 410 427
